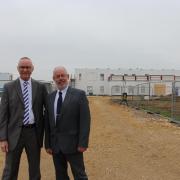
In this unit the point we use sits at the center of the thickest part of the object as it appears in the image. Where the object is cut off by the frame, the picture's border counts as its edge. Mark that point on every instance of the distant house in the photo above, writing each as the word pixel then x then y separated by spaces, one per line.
pixel 118 81
pixel 4 78
pixel 49 85
pixel 7 77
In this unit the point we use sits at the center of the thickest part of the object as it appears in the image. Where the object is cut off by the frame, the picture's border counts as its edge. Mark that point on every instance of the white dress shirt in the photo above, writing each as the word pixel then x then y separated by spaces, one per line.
pixel 56 99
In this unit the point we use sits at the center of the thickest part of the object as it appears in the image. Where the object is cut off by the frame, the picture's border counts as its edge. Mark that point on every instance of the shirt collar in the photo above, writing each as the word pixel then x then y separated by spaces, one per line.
pixel 63 91
pixel 22 81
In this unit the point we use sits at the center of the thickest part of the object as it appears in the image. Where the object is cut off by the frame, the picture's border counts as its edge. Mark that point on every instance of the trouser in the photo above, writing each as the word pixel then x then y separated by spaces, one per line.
pixel 27 140
pixel 76 163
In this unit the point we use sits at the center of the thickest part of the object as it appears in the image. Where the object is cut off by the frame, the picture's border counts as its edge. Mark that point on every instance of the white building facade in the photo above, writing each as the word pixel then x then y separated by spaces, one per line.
pixel 5 77
pixel 117 81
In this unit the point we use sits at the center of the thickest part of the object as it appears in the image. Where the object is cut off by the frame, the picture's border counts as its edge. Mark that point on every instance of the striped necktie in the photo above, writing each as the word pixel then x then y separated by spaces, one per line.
pixel 26 103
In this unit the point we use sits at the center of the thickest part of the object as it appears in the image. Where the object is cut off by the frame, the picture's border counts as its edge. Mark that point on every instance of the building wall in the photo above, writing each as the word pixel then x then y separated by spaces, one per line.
pixel 91 81
pixel 4 78
pixel 109 81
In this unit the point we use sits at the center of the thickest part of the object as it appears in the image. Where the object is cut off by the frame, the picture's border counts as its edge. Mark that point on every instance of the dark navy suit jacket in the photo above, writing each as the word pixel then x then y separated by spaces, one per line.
pixel 72 128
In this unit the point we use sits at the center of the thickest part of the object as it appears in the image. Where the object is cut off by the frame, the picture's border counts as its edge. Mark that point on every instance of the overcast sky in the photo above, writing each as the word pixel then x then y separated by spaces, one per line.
pixel 89 34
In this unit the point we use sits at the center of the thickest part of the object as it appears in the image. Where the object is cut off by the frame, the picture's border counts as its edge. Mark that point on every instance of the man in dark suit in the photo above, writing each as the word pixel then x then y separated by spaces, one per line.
pixel 67 127
pixel 22 121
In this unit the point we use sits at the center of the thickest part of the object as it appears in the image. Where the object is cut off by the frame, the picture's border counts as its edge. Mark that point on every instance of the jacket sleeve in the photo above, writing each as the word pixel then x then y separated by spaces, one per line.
pixel 4 114
pixel 84 122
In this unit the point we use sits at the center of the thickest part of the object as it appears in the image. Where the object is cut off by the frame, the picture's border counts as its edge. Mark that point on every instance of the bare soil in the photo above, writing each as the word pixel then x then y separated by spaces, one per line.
pixel 125 144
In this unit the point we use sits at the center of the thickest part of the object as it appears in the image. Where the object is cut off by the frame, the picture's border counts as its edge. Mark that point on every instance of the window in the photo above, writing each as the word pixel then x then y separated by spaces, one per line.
pixel 143 89
pixel 101 89
pixel 90 90
pixel 130 90
pixel 102 77
pixel 115 90
pixel 80 76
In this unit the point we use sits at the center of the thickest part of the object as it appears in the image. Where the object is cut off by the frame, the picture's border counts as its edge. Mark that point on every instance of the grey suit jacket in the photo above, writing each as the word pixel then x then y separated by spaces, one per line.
pixel 12 111
pixel 73 126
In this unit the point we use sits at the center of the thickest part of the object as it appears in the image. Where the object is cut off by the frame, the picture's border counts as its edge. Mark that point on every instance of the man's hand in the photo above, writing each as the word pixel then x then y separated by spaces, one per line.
pixel 4 146
pixel 81 149
pixel 49 151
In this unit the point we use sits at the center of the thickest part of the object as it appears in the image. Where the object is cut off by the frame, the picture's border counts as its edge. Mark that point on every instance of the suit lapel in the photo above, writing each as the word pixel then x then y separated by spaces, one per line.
pixel 67 99
pixel 18 89
pixel 52 99
pixel 34 90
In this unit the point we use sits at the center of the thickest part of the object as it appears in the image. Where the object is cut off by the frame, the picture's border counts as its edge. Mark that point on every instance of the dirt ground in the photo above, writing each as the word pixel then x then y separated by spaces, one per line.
pixel 125 144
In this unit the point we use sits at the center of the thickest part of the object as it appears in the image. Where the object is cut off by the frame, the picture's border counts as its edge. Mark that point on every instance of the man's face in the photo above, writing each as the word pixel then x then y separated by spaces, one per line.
pixel 25 69
pixel 61 78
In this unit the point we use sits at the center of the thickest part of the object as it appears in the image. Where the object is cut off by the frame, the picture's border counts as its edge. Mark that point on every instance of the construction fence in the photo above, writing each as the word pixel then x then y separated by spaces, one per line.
pixel 155 97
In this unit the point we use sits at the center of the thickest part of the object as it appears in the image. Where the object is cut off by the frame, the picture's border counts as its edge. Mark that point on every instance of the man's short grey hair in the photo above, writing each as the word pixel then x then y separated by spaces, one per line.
pixel 60 68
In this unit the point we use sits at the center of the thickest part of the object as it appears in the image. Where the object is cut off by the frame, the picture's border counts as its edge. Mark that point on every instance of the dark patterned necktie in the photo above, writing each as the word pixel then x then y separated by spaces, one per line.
pixel 59 105
pixel 26 103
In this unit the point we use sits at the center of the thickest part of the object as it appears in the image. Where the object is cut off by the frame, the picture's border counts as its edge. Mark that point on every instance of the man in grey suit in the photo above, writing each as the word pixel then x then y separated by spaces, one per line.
pixel 22 121
pixel 67 127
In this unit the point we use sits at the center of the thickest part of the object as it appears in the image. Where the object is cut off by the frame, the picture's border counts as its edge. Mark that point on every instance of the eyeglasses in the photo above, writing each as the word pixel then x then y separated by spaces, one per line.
pixel 25 67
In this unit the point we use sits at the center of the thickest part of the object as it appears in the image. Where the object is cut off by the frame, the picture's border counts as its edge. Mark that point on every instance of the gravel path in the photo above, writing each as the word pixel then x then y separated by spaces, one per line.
pixel 125 144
